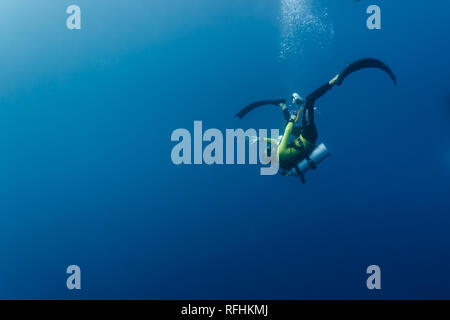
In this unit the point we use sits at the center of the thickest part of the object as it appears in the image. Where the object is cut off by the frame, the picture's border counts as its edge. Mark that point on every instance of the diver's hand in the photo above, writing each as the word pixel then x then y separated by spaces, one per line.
pixel 332 82
pixel 293 117
pixel 253 139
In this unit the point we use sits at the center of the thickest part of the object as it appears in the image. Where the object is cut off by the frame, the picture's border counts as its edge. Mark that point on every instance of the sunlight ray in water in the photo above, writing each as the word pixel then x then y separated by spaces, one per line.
pixel 301 23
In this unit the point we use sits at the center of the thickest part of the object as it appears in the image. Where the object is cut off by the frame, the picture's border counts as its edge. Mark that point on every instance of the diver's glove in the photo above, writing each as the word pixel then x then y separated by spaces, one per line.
pixel 293 117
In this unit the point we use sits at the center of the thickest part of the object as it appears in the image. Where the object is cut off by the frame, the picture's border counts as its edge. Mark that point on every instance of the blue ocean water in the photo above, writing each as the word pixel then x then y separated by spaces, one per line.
pixel 86 176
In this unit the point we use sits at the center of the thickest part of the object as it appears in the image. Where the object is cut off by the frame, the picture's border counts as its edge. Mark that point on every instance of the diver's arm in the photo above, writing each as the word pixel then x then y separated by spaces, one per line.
pixel 270 140
pixel 285 110
pixel 255 139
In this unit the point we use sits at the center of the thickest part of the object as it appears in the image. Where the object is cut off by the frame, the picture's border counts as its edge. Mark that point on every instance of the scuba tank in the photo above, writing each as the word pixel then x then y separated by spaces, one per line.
pixel 319 154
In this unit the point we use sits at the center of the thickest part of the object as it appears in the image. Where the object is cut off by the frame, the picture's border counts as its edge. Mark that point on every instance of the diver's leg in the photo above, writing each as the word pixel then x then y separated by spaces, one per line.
pixel 309 130
pixel 316 94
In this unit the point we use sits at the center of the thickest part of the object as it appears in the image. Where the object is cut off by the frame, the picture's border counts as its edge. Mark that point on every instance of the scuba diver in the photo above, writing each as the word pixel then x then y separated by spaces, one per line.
pixel 297 151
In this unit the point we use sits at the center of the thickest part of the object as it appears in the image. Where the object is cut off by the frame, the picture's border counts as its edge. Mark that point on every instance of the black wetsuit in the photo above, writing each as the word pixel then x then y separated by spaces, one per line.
pixel 308 129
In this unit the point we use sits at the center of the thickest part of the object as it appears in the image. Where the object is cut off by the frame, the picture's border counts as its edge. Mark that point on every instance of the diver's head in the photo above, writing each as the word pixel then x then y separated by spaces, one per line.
pixel 297 100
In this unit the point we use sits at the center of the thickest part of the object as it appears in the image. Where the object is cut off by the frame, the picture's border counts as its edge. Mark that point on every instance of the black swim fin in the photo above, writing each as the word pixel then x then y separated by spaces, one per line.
pixel 364 64
pixel 257 104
